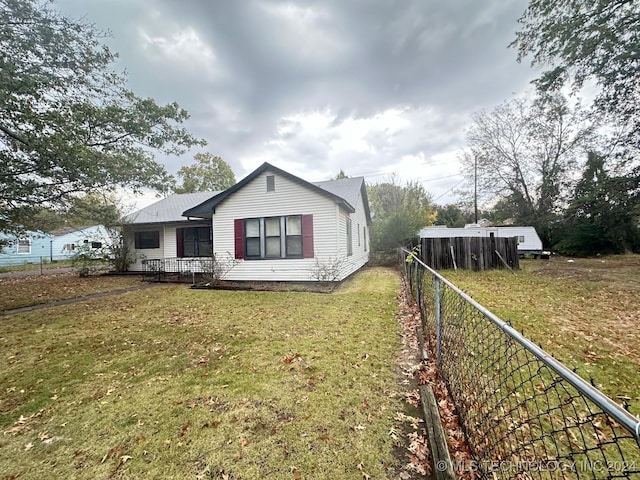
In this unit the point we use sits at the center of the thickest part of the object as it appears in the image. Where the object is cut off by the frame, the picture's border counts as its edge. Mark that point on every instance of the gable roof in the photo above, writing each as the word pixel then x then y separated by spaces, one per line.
pixel 345 194
pixel 349 189
pixel 168 209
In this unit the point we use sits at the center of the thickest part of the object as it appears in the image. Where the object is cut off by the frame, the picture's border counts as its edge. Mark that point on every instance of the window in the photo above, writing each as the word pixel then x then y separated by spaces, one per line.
pixel 271 183
pixel 194 242
pixel 358 234
pixel 349 238
pixel 293 232
pixel 252 229
pixel 274 237
pixel 364 235
pixel 148 239
pixel 96 244
pixel 521 239
pixel 23 246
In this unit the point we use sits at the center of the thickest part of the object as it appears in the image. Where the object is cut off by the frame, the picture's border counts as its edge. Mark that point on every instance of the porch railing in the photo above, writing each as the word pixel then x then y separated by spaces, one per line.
pixel 177 269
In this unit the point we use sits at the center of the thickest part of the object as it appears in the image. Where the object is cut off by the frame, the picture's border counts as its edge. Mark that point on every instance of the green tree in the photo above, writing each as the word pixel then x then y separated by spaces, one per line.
pixel 604 214
pixel 453 215
pixel 587 40
pixel 525 153
pixel 398 213
pixel 341 175
pixel 68 123
pixel 208 173
pixel 92 208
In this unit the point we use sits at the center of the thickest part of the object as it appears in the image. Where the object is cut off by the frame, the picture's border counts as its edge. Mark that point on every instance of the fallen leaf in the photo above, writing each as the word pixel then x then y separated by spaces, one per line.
pixel 364 474
pixel 28 447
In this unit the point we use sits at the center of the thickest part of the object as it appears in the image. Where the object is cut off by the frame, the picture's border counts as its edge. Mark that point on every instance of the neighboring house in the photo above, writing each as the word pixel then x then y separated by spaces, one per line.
pixel 276 226
pixel 67 240
pixel 30 247
pixel 528 240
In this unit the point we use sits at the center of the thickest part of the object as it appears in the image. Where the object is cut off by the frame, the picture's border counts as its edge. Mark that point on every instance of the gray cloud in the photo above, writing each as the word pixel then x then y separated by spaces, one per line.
pixel 254 73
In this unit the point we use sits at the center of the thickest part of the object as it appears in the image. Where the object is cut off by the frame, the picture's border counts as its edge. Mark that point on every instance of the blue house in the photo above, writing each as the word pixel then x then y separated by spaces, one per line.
pixel 65 241
pixel 31 247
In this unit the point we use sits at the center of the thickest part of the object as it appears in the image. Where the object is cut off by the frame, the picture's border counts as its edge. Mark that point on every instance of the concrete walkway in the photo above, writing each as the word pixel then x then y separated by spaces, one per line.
pixel 69 301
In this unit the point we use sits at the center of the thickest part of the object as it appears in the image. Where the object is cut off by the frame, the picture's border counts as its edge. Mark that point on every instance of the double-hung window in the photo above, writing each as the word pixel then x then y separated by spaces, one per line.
pixel 273 239
pixel 252 237
pixel 293 232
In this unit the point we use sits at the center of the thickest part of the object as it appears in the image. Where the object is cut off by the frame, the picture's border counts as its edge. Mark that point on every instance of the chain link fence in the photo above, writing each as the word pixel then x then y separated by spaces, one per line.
pixel 525 415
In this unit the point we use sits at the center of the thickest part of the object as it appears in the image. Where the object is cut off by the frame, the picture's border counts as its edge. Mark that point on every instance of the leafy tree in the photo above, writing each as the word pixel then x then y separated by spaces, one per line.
pixel 68 123
pixel 398 213
pixel 604 214
pixel 209 173
pixel 92 208
pixel 453 215
pixel 525 153
pixel 587 40
pixel 341 175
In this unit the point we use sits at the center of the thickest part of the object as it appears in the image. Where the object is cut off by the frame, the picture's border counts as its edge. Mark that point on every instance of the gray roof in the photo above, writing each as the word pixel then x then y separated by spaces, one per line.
pixel 168 209
pixel 346 188
pixel 177 208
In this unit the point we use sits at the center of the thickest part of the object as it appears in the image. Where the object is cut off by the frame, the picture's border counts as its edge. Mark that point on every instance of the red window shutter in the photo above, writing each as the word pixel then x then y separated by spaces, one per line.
pixel 179 243
pixel 238 230
pixel 307 236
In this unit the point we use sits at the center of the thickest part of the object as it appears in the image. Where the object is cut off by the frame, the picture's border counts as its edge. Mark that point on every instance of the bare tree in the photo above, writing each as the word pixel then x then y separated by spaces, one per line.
pixel 526 154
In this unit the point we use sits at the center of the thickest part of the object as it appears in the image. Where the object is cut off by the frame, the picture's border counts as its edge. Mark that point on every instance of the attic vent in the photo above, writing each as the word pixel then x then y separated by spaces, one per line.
pixel 271 183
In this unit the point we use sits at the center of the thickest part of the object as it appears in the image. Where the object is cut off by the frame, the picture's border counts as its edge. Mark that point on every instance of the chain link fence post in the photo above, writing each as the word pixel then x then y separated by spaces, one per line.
pixel 437 312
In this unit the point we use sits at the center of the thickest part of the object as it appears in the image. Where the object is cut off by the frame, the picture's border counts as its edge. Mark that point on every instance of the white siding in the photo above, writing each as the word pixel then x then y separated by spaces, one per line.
pixel 360 249
pixel 289 198
pixel 168 243
pixel 147 253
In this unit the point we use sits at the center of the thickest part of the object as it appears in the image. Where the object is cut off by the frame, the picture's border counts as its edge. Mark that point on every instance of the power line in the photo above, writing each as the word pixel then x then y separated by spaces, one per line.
pixel 449 190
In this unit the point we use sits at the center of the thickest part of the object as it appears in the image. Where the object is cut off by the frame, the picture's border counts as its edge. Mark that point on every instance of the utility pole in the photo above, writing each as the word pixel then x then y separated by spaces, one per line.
pixel 475 186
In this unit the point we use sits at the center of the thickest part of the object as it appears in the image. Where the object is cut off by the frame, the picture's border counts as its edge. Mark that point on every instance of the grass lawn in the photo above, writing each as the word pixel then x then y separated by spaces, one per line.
pixel 177 383
pixel 585 312
pixel 16 292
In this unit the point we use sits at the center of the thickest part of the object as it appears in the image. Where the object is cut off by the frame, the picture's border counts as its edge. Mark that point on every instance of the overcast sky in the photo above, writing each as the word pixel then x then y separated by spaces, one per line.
pixel 372 87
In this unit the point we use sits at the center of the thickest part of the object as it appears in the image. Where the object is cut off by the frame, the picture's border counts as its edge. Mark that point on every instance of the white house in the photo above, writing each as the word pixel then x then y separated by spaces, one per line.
pixel 276 226
pixel 528 240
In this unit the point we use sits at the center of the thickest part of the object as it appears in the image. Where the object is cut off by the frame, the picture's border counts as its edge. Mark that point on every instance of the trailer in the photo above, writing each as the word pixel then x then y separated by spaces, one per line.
pixel 529 242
